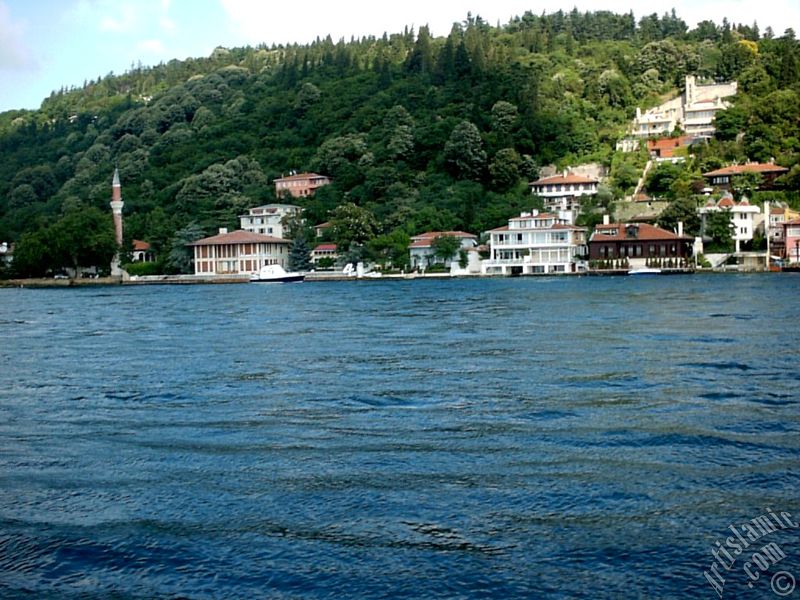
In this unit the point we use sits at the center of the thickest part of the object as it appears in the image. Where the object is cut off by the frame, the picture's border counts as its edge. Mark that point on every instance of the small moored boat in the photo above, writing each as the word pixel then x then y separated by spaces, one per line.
pixel 275 274
pixel 645 271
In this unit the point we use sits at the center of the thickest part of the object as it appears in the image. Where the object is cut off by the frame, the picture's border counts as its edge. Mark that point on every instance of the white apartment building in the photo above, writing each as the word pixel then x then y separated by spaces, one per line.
pixel 744 217
pixel 535 243
pixel 268 219
pixel 693 111
pixel 563 192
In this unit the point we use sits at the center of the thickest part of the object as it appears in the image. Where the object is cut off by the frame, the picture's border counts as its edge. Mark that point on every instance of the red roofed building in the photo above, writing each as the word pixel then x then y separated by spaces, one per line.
pixel 637 242
pixel 563 192
pixel 722 178
pixel 238 253
pixel 324 251
pixel 665 148
pixel 777 217
pixel 300 184
pixel 535 243
pixel 421 247
pixel 142 252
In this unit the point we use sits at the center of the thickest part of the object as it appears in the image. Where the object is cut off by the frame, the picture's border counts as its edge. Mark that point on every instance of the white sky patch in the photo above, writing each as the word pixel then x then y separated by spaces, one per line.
pixel 152 47
pixel 15 55
pixel 124 19
pixel 167 24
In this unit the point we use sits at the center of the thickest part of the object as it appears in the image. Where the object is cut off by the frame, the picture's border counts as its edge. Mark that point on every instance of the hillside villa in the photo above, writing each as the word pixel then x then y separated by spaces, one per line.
pixel 723 178
pixel 268 219
pixel 693 111
pixel 300 185
pixel 563 192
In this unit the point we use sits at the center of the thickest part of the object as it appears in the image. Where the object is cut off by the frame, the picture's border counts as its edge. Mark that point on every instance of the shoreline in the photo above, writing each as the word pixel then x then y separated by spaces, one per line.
pixel 38 283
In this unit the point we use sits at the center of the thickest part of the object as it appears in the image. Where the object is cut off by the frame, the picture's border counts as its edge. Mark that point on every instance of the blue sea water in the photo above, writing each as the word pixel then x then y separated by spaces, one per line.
pixel 504 438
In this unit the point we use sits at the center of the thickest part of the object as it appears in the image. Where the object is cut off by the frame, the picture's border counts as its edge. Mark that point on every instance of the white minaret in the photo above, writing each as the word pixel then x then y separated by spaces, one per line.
pixel 116 210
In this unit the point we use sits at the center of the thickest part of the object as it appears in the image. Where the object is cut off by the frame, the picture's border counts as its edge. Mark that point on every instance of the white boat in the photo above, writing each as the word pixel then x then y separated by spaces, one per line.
pixel 275 274
pixel 645 271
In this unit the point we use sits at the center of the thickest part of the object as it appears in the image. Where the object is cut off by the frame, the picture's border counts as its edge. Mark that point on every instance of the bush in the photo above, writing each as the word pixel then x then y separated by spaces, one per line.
pixel 326 262
pixel 436 268
pixel 143 268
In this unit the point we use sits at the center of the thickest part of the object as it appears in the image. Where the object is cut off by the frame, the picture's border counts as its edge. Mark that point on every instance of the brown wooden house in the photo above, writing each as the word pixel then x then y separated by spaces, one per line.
pixel 637 241
pixel 723 178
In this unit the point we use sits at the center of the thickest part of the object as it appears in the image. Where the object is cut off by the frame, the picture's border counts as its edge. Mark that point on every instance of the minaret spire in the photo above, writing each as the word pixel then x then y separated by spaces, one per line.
pixel 116 211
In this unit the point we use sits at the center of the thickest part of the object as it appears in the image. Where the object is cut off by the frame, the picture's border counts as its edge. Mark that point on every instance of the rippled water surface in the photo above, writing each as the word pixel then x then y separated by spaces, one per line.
pixel 574 437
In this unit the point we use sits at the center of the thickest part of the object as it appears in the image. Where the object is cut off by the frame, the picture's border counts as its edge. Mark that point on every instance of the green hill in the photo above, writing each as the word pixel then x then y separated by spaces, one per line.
pixel 423 132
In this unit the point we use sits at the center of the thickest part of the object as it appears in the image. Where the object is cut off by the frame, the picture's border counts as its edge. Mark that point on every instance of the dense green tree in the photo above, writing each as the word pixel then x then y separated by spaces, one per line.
pixel 33 255
pixel 682 210
pixel 84 238
pixel 719 228
pixel 445 246
pixel 299 254
pixel 504 115
pixel 464 151
pixel 745 184
pixel 352 224
pixel 391 249
pixel 505 169
pixel 181 256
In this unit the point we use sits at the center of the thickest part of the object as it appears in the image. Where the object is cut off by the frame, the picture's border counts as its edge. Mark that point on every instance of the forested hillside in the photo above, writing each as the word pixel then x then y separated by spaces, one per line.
pixel 424 133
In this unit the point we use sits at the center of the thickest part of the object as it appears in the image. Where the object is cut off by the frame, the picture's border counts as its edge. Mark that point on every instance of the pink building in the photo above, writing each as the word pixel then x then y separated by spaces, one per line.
pixel 300 185
pixel 791 236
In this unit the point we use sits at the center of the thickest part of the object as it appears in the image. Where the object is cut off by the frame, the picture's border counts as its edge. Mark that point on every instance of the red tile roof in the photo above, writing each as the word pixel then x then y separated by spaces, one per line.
pixel 726 202
pixel 140 246
pixel 429 235
pixel 539 216
pixel 666 147
pixel 645 232
pixel 747 168
pixel 302 176
pixel 561 178
pixel 570 227
pixel 239 236
pixel 325 248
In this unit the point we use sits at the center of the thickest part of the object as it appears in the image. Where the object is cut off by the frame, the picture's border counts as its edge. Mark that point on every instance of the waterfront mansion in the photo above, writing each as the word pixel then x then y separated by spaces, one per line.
pixel 535 243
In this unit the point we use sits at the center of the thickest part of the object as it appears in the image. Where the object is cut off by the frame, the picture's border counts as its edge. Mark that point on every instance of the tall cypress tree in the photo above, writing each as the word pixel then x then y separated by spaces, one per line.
pixel 299 255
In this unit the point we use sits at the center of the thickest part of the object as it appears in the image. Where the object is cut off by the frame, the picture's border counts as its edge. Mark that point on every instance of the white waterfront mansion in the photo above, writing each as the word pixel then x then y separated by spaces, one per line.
pixel 535 243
